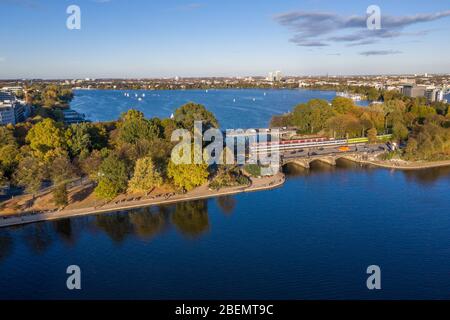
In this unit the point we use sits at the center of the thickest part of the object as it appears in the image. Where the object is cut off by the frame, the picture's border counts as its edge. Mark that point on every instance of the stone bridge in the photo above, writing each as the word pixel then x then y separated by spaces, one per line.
pixel 330 159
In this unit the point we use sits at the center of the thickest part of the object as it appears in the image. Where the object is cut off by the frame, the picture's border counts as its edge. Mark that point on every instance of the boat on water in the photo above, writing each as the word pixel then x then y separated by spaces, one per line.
pixel 234 100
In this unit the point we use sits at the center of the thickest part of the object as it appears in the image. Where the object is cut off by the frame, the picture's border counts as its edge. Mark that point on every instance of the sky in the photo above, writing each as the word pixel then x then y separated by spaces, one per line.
pixel 156 38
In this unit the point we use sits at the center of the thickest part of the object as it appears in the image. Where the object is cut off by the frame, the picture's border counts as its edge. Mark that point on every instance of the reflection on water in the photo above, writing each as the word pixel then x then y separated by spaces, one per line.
pixel 6 245
pixel 226 204
pixel 191 218
pixel 423 177
pixel 427 176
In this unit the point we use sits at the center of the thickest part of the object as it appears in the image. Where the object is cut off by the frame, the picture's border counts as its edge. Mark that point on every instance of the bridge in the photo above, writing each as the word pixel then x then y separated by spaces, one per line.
pixel 330 158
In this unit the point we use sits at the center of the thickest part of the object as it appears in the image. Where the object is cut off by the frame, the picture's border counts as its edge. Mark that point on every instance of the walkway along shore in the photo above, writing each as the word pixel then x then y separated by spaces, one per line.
pixel 403 165
pixel 198 194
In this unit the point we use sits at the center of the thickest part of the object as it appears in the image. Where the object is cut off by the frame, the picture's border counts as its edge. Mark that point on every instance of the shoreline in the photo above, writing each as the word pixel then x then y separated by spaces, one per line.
pixel 269 183
pixel 403 165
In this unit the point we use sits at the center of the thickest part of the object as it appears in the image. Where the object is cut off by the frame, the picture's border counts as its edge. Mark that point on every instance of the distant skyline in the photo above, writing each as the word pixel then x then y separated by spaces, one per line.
pixel 156 39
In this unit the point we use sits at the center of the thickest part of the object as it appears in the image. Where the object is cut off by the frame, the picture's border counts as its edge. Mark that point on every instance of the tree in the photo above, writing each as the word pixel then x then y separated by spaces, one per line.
pixel 343 105
pixel 311 117
pixel 78 139
pixel 411 148
pixel 145 177
pixel 9 156
pixel 6 137
pixel 2 178
pixel 29 174
pixel 399 131
pixel 112 178
pixel 61 170
pixel 187 176
pixel 60 195
pixel 372 135
pixel 190 112
pixel 133 127
pixel 45 136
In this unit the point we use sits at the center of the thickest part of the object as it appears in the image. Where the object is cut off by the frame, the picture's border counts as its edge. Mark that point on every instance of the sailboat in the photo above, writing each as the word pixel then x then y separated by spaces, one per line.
pixel 234 100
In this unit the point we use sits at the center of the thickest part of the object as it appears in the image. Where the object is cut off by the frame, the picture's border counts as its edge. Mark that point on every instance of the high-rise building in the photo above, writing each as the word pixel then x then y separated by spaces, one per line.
pixel 11 110
pixel 413 91
pixel 275 76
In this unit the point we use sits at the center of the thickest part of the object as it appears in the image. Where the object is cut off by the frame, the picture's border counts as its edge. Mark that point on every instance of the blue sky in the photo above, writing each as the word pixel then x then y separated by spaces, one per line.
pixel 139 38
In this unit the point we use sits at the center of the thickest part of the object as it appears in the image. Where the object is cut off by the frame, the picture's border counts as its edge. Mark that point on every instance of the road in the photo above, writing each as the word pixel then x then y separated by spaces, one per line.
pixel 332 150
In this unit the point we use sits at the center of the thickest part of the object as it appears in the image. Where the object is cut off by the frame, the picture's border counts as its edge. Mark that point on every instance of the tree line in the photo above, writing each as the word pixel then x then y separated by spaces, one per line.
pixel 130 155
pixel 424 128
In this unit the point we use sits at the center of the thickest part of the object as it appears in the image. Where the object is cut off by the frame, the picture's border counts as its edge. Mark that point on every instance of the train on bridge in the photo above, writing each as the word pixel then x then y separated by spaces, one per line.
pixel 311 142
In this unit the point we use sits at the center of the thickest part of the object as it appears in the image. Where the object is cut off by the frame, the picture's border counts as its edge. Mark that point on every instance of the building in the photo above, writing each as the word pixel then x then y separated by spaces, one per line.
pixel 275 76
pixel 11 110
pixel 14 90
pixel 413 91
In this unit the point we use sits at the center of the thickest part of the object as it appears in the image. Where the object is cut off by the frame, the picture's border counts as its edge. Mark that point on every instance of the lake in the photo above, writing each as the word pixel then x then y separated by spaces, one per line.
pixel 234 108
pixel 312 238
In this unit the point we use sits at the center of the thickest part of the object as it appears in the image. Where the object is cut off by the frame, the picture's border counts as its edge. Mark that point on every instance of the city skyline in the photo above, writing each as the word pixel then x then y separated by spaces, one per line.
pixel 203 39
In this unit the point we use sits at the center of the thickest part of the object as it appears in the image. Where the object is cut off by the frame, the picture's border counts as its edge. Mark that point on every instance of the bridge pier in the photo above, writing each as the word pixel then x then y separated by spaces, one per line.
pixel 304 163
pixel 328 160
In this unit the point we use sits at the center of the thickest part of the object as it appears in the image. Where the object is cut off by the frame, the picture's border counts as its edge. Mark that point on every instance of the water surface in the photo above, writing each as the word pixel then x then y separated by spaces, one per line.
pixel 312 238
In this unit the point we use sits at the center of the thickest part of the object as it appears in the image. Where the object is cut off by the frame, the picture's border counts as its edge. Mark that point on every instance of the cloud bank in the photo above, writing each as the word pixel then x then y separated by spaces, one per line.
pixel 320 29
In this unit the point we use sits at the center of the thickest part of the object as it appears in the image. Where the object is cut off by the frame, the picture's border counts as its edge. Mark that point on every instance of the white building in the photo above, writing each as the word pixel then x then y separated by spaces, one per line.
pixel 275 76
pixel 11 110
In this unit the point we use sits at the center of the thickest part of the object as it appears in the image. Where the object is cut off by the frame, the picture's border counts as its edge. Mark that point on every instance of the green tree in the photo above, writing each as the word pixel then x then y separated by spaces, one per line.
pixel 312 116
pixel 9 158
pixel 187 176
pixel 78 139
pixel 45 136
pixel 343 105
pixel 145 177
pixel 399 131
pixel 112 178
pixel 30 174
pixel 372 135
pixel 133 127
pixel 60 195
pixel 6 137
pixel 411 148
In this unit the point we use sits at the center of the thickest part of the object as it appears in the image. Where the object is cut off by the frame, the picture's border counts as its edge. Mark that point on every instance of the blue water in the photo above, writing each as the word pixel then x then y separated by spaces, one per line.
pixel 312 238
pixel 252 108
